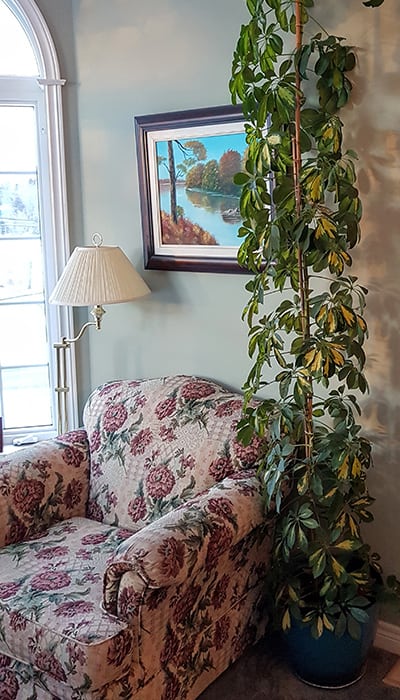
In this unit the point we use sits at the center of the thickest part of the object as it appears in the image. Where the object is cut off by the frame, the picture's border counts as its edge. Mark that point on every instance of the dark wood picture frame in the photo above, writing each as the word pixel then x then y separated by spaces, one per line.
pixel 158 131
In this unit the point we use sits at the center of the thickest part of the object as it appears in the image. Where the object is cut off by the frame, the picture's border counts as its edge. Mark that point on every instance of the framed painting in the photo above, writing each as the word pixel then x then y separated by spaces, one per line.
pixel 189 202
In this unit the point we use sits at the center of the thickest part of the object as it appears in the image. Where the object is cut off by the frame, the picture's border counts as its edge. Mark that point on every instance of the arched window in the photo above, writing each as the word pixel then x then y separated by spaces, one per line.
pixel 33 221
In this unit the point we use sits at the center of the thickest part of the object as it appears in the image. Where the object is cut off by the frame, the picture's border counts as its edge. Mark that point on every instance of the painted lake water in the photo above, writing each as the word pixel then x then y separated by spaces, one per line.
pixel 206 209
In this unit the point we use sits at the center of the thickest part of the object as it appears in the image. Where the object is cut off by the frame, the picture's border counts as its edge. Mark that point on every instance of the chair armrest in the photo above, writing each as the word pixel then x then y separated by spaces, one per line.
pixel 194 535
pixel 43 484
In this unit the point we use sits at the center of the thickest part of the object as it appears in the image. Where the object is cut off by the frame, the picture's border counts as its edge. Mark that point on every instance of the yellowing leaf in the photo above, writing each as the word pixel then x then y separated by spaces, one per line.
pixel 356 467
pixel 320 626
pixel 329 226
pixel 320 317
pixel 343 471
pixel 354 529
pixel 336 142
pixel 328 132
pixel 348 315
pixel 347 545
pixel 337 357
pixel 347 521
pixel 286 621
pixel 316 555
pixel 317 362
pixel 338 569
pixel 304 379
pixel 309 356
pixel 359 577
pixel 302 484
pixel 361 323
pixel 331 492
pixel 327 623
pixel 346 257
pixel 315 189
pixel 334 259
pixel 292 594
pixel 331 321
pixel 362 502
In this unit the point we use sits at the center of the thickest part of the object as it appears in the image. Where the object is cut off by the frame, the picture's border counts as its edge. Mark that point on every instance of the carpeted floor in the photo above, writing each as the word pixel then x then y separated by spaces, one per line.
pixel 262 674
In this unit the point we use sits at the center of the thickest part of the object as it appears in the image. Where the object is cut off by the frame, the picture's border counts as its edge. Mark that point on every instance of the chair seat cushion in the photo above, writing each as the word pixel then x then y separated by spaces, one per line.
pixel 50 605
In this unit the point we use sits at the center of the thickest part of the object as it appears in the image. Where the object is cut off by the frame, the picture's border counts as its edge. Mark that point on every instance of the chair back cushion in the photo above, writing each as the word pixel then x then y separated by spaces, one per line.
pixel 156 443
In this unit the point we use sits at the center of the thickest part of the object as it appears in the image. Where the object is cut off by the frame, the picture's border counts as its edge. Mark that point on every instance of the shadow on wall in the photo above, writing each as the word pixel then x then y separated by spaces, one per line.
pixel 373 127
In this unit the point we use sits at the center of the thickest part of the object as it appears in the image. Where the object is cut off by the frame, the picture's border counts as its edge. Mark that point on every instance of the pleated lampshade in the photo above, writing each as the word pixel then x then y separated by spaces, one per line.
pixel 96 275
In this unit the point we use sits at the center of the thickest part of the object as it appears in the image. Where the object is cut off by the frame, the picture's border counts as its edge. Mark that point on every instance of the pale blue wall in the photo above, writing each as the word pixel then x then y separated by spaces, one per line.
pixel 137 58
pixel 142 58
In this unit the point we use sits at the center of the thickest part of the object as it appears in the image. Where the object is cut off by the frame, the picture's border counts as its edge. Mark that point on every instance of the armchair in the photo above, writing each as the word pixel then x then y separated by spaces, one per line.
pixel 133 552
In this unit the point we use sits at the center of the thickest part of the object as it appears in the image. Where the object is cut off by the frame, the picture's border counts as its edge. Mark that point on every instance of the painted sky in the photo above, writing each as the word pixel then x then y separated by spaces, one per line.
pixel 215 147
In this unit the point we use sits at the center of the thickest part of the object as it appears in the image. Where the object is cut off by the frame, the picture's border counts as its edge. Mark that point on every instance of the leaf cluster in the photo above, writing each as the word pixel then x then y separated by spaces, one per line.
pixel 301 214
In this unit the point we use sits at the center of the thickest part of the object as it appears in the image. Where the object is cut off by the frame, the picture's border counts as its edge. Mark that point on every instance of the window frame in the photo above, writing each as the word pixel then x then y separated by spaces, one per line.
pixel 45 93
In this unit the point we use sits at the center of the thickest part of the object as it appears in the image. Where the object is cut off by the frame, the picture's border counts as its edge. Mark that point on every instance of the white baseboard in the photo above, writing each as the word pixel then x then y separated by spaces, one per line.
pixel 388 637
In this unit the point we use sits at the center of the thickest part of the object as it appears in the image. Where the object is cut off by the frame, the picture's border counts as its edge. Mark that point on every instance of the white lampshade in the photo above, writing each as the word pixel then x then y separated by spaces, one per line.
pixel 96 275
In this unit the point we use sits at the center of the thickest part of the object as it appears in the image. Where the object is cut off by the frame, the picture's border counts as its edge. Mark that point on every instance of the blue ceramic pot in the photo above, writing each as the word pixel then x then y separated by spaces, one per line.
pixel 330 661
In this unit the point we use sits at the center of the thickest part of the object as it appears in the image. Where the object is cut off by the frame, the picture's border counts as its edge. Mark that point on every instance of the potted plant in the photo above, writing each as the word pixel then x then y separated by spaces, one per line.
pixel 301 213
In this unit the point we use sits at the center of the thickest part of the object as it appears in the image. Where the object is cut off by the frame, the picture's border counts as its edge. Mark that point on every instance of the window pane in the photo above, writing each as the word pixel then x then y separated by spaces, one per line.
pixel 18 138
pixel 21 270
pixel 33 221
pixel 24 350
pixel 23 338
pixel 26 397
pixel 16 53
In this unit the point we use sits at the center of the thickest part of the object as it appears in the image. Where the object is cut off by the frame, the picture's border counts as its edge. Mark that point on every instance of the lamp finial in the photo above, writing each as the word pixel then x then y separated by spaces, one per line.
pixel 97 240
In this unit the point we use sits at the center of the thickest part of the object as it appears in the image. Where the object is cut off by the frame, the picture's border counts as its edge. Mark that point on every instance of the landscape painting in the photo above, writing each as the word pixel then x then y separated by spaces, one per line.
pixel 189 203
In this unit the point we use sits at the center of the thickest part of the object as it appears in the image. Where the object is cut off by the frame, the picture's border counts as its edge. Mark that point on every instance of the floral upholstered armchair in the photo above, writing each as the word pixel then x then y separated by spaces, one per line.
pixel 133 552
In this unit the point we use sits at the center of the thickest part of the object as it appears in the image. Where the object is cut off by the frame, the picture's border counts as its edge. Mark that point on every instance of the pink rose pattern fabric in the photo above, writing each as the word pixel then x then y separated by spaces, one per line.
pixel 154 444
pixel 160 600
pixel 50 605
pixel 43 484
pixel 192 537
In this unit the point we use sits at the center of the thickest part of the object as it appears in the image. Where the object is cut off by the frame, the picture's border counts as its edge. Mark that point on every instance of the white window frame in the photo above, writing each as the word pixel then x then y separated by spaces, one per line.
pixel 45 92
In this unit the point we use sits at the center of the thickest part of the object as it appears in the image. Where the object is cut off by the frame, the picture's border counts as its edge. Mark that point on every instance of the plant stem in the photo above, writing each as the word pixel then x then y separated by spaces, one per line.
pixel 304 288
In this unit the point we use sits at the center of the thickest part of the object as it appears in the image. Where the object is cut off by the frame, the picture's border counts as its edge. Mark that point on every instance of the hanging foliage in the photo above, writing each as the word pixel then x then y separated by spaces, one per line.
pixel 301 213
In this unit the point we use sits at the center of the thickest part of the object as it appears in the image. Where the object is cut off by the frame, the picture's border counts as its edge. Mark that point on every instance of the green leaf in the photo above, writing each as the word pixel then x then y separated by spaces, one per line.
pixel 281 16
pixel 359 614
pixel 251 6
pixel 310 523
pixel 373 3
pixel 337 78
pixel 276 43
pixel 285 67
pixel 354 628
pixel 322 64
pixel 302 60
pixel 341 625
pixel 350 61
pixel 241 178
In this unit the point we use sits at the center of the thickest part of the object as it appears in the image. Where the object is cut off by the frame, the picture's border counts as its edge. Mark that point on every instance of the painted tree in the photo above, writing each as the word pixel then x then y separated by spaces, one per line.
pixel 192 152
pixel 229 165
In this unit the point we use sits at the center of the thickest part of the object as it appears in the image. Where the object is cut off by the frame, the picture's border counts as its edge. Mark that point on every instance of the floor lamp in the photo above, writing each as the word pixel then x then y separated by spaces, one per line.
pixel 93 276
